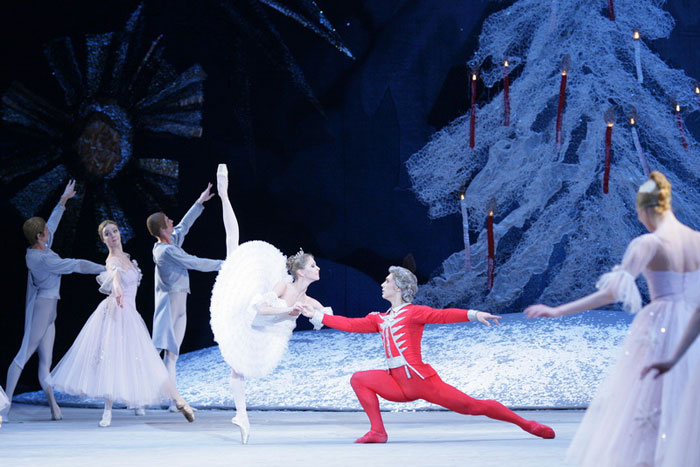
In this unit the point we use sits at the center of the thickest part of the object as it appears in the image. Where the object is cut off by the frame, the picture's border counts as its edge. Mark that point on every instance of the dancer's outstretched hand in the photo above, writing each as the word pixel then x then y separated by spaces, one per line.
pixel 541 311
pixel 206 195
pixel 297 309
pixel 69 192
pixel 483 317
pixel 661 367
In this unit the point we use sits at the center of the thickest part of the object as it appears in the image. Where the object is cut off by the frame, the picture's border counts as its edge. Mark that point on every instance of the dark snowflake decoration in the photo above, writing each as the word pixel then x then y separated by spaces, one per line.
pixel 254 34
pixel 117 89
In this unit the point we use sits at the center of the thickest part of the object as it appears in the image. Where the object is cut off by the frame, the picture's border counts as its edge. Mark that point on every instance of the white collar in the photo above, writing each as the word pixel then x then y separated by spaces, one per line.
pixel 398 308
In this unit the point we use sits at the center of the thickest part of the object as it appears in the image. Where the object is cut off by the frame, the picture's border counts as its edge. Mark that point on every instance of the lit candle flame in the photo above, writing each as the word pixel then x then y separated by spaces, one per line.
pixel 697 89
pixel 563 72
pixel 490 213
pixel 678 108
pixel 610 124
pixel 636 35
pixel 461 196
pixel 632 121
pixel 473 76
pixel 505 64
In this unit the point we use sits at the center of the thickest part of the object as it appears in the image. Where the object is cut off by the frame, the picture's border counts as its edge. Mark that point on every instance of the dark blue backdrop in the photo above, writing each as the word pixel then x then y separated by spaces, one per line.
pixel 329 178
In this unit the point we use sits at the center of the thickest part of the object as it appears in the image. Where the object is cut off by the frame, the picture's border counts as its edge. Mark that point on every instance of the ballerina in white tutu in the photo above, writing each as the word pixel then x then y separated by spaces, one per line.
pixel 113 357
pixel 629 422
pixel 255 302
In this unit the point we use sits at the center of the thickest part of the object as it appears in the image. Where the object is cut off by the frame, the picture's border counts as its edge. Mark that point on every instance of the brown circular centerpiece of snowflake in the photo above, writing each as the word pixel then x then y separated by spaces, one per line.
pixel 99 148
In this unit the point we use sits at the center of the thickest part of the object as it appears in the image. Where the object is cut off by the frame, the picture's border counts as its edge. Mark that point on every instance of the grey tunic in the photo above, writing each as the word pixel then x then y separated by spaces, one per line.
pixel 172 264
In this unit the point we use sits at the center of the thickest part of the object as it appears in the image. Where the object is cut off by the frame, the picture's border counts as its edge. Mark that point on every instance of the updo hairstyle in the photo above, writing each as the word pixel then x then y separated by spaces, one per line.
pixel 104 224
pixel 297 262
pixel 655 193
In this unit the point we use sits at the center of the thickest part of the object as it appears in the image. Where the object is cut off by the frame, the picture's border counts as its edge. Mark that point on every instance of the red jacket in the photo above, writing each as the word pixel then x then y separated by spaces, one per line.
pixel 403 328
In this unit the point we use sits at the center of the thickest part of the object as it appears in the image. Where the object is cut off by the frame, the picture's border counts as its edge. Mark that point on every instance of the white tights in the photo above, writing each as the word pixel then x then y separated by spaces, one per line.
pixel 238 392
pixel 41 338
pixel 178 315
pixel 232 238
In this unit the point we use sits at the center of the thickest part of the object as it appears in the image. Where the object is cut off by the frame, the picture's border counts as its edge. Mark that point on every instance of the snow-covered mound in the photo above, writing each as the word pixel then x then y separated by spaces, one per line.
pixel 523 363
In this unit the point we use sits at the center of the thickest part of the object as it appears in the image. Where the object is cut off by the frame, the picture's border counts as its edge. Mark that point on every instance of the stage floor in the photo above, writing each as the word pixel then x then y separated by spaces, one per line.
pixel 434 438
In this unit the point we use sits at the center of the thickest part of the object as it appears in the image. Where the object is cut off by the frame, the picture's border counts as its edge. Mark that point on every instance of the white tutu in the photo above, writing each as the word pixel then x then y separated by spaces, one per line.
pixel 4 401
pixel 252 345
pixel 632 421
pixel 113 357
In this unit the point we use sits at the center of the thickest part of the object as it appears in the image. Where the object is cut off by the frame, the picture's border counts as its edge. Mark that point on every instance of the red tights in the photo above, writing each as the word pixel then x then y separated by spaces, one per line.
pixel 397 387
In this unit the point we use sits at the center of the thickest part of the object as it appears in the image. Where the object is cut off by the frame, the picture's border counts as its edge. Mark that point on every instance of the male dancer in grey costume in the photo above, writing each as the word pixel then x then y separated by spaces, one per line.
pixel 45 269
pixel 172 282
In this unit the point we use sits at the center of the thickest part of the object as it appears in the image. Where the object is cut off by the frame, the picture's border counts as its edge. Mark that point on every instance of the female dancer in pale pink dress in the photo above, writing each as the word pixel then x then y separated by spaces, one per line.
pixel 686 429
pixel 629 421
pixel 113 357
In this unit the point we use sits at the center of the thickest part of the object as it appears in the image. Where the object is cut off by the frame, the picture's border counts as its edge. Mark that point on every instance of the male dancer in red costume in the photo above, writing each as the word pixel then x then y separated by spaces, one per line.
pixel 407 378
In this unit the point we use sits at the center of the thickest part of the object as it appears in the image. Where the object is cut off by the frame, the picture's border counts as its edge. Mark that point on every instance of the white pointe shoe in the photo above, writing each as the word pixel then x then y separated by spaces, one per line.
pixel 244 427
pixel 106 419
pixel 140 412
pixel 222 180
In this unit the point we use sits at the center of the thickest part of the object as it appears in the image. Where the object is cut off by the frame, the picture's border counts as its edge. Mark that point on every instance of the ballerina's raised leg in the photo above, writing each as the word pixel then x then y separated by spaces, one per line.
pixel 232 239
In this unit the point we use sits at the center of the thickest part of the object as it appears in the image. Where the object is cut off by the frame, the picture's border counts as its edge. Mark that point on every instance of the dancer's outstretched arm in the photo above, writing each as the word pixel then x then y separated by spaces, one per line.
pixel 689 336
pixel 364 325
pixel 617 285
pixel 589 302
pixel 230 221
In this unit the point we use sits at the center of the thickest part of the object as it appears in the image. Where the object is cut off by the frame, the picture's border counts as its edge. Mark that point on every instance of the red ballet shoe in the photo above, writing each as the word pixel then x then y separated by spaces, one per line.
pixel 373 437
pixel 538 429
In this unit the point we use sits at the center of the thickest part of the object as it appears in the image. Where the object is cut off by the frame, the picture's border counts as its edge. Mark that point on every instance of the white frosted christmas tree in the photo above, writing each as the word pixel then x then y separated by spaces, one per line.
pixel 555 229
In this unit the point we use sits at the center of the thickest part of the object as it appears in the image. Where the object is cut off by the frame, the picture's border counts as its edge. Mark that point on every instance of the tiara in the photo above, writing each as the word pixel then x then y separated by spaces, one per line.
pixel 299 254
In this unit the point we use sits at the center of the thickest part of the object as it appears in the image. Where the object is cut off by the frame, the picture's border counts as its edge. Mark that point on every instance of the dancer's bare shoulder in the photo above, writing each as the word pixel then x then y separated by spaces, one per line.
pixel 280 288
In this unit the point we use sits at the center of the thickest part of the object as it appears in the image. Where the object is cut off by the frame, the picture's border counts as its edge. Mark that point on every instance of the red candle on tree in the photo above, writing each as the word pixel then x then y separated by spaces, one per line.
pixel 681 129
pixel 506 95
pixel 491 247
pixel 562 97
pixel 472 117
pixel 610 121
pixel 611 10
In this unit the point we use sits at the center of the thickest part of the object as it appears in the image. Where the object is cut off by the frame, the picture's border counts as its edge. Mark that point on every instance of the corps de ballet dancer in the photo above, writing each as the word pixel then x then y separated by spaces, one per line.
pixel 113 357
pixel 256 300
pixel 407 377
pixel 4 403
pixel 172 282
pixel 45 269
pixel 686 428
pixel 630 420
